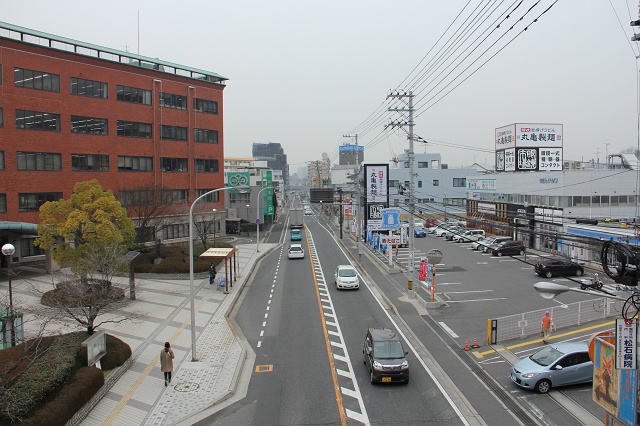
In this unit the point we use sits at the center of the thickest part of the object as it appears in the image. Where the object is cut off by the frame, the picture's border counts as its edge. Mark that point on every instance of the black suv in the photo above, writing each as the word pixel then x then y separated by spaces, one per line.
pixel 508 248
pixel 385 356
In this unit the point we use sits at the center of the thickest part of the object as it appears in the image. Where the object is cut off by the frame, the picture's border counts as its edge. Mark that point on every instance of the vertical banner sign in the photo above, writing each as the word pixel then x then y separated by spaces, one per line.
pixel 626 350
pixel 377 182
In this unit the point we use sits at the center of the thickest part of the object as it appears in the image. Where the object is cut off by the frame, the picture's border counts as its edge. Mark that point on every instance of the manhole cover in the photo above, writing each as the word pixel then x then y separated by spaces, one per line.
pixel 187 387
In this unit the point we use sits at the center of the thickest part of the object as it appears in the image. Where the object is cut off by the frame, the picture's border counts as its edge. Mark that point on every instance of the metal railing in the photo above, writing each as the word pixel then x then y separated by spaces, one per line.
pixel 529 323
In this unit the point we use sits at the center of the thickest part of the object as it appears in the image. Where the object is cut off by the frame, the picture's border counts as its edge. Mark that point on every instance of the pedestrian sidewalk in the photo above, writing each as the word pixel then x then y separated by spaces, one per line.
pixel 139 396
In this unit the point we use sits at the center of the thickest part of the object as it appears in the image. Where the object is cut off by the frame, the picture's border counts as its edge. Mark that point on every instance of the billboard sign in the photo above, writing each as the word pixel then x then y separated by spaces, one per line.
pixel 238 179
pixel 376 178
pixel 538 135
pixel 374 216
pixel 528 147
pixel 350 148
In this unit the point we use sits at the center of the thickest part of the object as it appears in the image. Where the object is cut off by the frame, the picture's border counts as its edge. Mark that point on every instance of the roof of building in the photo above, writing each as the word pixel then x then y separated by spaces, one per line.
pixel 51 41
pixel 19 227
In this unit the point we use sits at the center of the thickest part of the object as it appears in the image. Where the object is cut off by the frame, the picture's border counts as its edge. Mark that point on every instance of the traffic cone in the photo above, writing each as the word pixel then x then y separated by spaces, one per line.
pixel 466 345
pixel 475 344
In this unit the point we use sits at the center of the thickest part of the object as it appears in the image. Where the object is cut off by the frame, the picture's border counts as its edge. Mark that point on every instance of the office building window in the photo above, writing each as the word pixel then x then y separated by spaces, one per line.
pixel 202 105
pixel 1 117
pixel 170 164
pixel 91 125
pixel 39 161
pixel 0 73
pixel 133 95
pixel 169 100
pixel 436 182
pixel 36 120
pixel 214 197
pixel 134 130
pixel 39 80
pixel 175 196
pixel 419 184
pixel 3 203
pixel 178 230
pixel 135 164
pixel 173 132
pixel 90 162
pixel 89 88
pixel 28 249
pixel 31 202
pixel 459 182
pixel 206 166
pixel 1 160
pixel 205 135
pixel 136 198
pixel 423 164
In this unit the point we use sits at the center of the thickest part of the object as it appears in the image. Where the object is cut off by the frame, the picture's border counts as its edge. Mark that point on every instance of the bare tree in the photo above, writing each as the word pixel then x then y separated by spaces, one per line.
pixel 203 226
pixel 144 205
pixel 85 300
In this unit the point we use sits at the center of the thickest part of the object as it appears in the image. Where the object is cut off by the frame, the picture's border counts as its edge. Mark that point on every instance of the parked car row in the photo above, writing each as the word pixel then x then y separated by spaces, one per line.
pixel 496 245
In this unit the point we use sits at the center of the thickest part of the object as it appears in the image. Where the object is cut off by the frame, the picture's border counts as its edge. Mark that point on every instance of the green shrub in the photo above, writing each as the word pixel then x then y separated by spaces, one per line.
pixel 118 352
pixel 64 396
pixel 71 398
pixel 42 379
pixel 175 259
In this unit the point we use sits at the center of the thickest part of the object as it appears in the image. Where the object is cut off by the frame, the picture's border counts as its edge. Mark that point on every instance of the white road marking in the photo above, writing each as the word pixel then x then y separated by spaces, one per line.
pixel 264 323
pixel 261 333
pixel 476 300
pixel 446 328
pixel 469 291
pixel 259 343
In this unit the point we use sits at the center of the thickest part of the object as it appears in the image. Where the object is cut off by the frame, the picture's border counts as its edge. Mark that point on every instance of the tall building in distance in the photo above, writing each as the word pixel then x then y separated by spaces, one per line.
pixel 347 155
pixel 274 155
pixel 147 129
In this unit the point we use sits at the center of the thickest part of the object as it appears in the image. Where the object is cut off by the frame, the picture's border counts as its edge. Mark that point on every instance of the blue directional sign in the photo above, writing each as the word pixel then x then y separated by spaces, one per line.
pixel 390 219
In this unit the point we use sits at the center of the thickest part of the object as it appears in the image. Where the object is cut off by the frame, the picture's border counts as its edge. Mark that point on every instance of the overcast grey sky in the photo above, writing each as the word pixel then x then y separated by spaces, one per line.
pixel 304 73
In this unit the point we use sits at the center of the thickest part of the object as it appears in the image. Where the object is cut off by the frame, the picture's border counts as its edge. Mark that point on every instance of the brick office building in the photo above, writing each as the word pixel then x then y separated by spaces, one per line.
pixel 71 111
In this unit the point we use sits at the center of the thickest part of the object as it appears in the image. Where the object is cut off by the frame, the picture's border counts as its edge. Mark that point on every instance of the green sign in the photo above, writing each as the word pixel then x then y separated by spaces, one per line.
pixel 238 179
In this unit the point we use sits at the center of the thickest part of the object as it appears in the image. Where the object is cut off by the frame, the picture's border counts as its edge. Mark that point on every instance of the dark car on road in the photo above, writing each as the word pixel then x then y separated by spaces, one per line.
pixel 551 266
pixel 385 356
pixel 508 248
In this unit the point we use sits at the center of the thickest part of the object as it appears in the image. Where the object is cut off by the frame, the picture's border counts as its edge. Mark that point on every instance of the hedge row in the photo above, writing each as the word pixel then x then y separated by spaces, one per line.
pixel 42 379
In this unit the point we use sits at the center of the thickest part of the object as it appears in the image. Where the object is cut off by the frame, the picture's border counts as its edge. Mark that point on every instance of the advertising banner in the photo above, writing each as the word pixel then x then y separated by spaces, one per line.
pixel 538 135
pixel 376 180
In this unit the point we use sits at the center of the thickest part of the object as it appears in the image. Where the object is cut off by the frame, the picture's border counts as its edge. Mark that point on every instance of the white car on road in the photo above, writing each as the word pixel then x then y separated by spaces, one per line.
pixel 346 276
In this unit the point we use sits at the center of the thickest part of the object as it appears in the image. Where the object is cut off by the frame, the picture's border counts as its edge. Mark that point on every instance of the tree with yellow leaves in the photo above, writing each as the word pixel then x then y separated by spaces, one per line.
pixel 90 218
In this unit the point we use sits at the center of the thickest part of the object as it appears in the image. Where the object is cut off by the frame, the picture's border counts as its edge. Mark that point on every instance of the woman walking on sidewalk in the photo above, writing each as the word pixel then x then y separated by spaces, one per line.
pixel 166 362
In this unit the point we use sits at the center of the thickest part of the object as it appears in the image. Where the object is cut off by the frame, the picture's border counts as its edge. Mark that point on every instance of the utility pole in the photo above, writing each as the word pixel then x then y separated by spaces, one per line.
pixel 408 109
pixel 606 153
pixel 357 172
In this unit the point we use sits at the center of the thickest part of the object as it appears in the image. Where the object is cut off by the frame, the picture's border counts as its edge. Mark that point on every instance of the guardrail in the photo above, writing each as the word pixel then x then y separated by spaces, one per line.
pixel 529 323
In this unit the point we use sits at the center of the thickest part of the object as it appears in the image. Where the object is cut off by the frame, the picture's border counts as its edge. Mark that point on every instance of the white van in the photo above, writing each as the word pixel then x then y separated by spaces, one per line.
pixel 469 235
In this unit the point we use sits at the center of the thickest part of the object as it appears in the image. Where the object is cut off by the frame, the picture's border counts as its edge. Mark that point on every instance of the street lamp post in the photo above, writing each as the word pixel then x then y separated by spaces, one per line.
pixel 259 218
pixel 549 290
pixel 8 250
pixel 191 292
